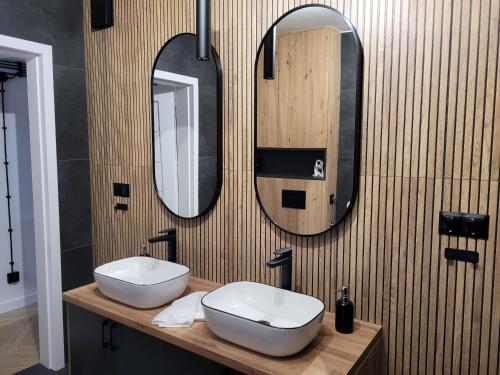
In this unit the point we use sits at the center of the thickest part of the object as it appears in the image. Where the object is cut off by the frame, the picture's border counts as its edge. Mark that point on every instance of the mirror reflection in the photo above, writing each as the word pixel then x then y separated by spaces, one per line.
pixel 186 128
pixel 308 79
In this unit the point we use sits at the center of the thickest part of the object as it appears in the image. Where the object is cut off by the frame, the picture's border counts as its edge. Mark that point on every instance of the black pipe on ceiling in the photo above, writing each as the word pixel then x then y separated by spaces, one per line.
pixel 270 55
pixel 203 30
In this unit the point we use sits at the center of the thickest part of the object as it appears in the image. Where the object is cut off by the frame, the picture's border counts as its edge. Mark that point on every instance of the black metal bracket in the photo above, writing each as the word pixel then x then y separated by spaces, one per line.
pixel 461 255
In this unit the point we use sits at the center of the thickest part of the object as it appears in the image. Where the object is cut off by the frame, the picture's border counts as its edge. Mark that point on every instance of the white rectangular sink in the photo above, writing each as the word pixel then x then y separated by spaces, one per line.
pixel 142 282
pixel 263 318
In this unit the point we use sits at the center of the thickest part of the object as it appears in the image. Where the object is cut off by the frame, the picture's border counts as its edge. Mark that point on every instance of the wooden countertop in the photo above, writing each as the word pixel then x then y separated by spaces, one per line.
pixel 330 352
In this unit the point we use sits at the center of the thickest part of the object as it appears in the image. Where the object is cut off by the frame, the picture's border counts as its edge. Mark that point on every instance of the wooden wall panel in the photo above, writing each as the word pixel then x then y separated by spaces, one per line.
pixel 430 141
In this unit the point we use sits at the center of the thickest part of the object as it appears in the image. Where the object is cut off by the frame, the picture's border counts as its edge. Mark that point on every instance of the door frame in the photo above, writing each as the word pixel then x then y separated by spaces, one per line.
pixel 40 83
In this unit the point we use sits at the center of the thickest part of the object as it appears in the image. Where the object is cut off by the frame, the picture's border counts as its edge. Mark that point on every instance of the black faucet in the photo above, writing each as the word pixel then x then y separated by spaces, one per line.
pixel 167 235
pixel 284 259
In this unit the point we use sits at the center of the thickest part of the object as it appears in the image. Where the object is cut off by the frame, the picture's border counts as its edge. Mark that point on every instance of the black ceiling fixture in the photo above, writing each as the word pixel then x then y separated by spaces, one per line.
pixel 101 14
pixel 203 45
pixel 270 54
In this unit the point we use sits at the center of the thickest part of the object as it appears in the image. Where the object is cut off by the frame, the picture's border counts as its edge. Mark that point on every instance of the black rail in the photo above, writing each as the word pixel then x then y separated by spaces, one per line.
pixel 13 276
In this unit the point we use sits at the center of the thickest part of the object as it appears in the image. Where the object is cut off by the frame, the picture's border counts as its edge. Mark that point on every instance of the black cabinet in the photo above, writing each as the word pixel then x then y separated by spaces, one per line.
pixel 135 352
pixel 98 345
pixel 89 341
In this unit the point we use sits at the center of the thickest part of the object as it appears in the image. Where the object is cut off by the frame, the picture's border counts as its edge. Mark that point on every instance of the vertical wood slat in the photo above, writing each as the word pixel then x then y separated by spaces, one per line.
pixel 430 141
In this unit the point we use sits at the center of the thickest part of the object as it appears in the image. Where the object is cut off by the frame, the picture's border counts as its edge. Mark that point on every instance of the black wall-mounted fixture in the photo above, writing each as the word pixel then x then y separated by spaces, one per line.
pixel 293 199
pixel 464 225
pixel 203 45
pixel 121 207
pixel 101 14
pixel 461 255
pixel 121 190
pixel 270 55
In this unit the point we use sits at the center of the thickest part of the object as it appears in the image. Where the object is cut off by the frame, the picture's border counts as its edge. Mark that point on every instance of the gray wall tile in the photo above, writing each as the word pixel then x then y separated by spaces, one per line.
pixel 71 113
pixel 77 266
pixel 74 203
pixel 207 181
pixel 55 22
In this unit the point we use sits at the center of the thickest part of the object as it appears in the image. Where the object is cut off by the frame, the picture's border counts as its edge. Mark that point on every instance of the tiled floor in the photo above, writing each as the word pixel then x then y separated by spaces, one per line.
pixel 18 340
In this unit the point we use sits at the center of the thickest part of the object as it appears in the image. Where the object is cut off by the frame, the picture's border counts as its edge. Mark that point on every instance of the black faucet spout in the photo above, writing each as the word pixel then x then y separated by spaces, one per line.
pixel 170 236
pixel 162 238
pixel 278 261
pixel 284 259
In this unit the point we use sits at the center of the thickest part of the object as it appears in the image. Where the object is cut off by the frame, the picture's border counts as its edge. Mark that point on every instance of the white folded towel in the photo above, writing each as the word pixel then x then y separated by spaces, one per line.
pixel 182 312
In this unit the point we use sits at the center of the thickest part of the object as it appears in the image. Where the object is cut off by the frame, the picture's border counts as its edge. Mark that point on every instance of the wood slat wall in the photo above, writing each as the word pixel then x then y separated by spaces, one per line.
pixel 430 141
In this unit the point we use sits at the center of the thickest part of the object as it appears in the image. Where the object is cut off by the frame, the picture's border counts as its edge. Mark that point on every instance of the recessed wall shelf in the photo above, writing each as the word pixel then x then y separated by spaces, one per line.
pixel 296 163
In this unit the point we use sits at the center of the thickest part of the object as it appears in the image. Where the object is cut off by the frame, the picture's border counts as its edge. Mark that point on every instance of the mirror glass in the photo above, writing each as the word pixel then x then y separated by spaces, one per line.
pixel 187 128
pixel 307 131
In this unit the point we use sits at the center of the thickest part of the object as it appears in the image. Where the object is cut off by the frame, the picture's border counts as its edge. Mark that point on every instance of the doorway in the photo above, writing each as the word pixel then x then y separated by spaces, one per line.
pixel 176 140
pixel 44 196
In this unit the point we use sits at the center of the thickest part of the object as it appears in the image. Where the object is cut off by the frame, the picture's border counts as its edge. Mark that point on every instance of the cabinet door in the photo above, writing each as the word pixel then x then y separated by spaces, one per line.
pixel 135 352
pixel 89 339
pixel 182 362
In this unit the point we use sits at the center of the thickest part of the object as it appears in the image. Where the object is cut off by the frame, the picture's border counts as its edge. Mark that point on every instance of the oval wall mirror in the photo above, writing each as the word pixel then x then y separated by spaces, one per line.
pixel 186 102
pixel 308 81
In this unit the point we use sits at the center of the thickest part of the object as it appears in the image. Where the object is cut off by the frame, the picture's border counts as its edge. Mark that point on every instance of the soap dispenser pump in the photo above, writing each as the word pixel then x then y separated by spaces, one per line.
pixel 344 312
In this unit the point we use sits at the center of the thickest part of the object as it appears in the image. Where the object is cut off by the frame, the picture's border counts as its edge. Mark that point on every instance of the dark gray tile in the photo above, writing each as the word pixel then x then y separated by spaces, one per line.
pixel 180 57
pixel 76 267
pixel 207 181
pixel 71 113
pixel 74 203
pixel 349 60
pixel 39 369
pixel 56 22
pixel 345 184
pixel 347 108
pixel 208 125
pixel 346 141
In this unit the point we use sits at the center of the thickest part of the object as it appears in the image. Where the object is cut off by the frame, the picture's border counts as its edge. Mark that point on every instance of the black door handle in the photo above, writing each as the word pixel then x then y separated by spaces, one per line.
pixel 104 324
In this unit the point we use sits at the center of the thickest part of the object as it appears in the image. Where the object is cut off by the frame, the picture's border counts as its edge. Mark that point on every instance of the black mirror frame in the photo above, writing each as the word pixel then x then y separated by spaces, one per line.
pixel 357 130
pixel 220 127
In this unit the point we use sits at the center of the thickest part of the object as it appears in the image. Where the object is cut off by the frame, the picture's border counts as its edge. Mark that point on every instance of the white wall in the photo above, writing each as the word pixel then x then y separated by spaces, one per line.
pixel 13 296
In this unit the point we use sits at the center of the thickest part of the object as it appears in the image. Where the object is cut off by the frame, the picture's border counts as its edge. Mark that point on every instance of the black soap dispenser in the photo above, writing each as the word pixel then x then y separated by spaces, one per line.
pixel 344 312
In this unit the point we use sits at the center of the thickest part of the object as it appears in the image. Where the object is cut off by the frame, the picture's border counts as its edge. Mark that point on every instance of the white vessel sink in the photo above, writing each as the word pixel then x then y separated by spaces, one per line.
pixel 142 282
pixel 263 318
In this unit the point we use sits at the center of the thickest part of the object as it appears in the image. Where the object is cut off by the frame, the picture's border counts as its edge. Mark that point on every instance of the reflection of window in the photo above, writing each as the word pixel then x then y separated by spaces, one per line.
pixel 176 132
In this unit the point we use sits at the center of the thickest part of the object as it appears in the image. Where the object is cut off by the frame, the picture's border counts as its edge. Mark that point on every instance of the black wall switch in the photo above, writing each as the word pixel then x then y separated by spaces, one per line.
pixel 461 255
pixel 101 16
pixel 121 190
pixel 293 199
pixel 464 224
pixel 121 207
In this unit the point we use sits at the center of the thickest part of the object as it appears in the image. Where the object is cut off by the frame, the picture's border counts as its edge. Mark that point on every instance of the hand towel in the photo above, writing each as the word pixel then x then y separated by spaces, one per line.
pixel 182 312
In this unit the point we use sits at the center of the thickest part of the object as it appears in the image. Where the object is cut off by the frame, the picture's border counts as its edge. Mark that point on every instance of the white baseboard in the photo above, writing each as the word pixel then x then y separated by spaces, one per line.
pixel 17 303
